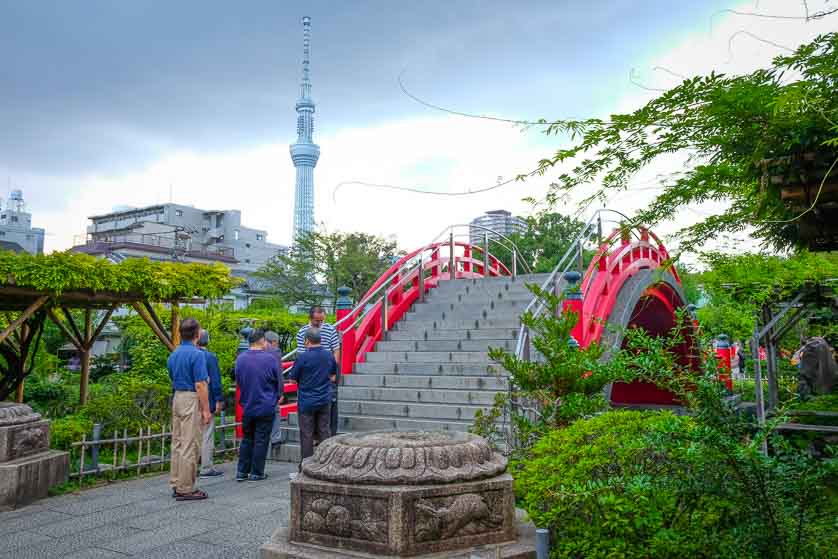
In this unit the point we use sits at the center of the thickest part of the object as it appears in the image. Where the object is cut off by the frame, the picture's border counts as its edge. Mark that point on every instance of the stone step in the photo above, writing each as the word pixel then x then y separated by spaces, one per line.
pixel 454 382
pixel 353 423
pixel 468 369
pixel 412 324
pixel 424 395
pixel 473 294
pixel 445 345
pixel 458 412
pixel 428 357
pixel 469 307
pixel 418 334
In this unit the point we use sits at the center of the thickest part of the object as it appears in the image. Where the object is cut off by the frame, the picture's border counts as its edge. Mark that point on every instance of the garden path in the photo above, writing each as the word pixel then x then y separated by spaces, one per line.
pixel 139 518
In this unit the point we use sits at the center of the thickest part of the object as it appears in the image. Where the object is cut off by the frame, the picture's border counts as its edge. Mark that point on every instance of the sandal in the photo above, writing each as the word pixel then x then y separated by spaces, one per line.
pixel 196 495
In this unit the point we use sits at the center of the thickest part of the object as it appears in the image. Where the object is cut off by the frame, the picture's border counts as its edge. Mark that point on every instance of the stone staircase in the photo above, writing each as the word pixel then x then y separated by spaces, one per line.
pixel 433 370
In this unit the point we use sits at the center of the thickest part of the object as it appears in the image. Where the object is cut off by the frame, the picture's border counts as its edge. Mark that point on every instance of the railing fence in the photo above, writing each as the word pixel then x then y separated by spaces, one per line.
pixel 143 451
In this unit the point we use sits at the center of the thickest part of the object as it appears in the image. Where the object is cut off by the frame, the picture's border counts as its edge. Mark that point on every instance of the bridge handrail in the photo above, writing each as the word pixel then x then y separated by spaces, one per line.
pixel 575 249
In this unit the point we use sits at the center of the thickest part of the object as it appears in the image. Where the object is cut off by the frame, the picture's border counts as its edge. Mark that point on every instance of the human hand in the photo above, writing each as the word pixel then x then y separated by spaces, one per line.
pixel 333 378
pixel 206 416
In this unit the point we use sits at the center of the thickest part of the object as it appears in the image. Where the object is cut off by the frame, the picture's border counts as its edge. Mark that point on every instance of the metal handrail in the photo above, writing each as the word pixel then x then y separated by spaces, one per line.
pixel 353 317
pixel 574 250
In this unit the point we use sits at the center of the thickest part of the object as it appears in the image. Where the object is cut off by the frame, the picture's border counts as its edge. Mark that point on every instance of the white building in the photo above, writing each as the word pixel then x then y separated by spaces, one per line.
pixel 16 231
pixel 499 221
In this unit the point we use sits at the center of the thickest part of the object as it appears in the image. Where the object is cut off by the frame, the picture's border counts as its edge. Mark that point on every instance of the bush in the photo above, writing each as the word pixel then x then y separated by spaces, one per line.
pixel 601 485
pixel 131 402
pixel 68 430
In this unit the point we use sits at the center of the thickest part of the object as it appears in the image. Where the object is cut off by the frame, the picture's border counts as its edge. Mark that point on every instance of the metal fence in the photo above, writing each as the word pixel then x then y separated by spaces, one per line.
pixel 141 452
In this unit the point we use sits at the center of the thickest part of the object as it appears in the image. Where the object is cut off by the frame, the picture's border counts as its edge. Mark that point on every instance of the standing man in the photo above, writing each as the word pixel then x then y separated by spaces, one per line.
pixel 330 340
pixel 315 371
pixel 272 341
pixel 190 411
pixel 216 404
pixel 259 380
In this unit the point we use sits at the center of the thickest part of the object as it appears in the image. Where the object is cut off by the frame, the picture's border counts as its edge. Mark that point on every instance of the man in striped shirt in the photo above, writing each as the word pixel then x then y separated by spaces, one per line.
pixel 329 340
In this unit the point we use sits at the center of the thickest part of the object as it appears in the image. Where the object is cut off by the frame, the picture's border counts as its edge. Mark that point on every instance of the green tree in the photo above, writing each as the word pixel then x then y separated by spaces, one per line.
pixel 545 240
pixel 728 127
pixel 320 262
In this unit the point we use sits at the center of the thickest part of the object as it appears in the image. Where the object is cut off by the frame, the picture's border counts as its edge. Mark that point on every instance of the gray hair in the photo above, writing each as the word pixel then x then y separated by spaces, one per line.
pixel 313 336
pixel 272 336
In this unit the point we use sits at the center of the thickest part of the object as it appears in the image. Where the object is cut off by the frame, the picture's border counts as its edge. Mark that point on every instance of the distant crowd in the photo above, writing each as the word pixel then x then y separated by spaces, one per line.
pixel 196 383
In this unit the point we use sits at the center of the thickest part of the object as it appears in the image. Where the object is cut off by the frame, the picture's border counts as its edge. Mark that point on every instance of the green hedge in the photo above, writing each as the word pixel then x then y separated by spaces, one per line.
pixel 158 281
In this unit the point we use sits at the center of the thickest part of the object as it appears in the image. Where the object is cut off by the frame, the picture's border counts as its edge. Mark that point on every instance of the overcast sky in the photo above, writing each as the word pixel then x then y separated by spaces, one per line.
pixel 108 103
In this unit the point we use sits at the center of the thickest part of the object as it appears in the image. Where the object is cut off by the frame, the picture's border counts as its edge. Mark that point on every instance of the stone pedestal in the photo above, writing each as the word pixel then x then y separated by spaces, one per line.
pixel 28 468
pixel 391 494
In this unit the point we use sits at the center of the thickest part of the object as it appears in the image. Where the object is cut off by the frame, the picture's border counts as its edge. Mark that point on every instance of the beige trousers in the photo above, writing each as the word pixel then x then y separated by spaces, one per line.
pixel 208 445
pixel 186 441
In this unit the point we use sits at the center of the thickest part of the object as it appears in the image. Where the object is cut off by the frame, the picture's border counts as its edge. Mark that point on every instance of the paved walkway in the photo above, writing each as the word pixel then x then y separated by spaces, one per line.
pixel 140 519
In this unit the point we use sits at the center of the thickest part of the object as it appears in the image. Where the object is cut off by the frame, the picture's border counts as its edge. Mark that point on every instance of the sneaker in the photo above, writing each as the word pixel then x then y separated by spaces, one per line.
pixel 241 477
pixel 174 493
pixel 292 476
pixel 257 478
pixel 212 472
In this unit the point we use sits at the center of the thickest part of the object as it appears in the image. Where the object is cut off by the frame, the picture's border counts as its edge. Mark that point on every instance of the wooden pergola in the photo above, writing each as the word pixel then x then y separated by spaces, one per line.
pixel 26 311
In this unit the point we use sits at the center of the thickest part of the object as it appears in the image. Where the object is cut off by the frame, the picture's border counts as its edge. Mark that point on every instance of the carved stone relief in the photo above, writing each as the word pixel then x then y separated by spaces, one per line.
pixel 468 514
pixel 345 517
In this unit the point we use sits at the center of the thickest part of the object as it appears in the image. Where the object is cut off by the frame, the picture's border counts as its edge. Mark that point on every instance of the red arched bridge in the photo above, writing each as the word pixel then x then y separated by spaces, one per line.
pixel 402 333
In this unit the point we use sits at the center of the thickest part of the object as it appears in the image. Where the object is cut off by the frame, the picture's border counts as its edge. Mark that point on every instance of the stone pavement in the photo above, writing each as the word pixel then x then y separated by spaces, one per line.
pixel 139 518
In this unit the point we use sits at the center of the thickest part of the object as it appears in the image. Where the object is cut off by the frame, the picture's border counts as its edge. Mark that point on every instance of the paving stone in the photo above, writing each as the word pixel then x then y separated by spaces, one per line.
pixel 94 553
pixel 248 534
pixel 29 522
pixel 76 524
pixel 147 540
pixel 189 549
pixel 59 547
pixel 13 541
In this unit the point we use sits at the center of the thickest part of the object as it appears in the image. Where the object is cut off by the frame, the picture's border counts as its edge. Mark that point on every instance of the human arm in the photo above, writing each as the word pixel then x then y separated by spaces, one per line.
pixel 216 396
pixel 201 378
pixel 203 401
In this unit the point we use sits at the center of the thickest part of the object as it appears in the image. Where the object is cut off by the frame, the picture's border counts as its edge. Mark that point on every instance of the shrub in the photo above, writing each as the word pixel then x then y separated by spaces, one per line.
pixel 601 485
pixel 68 430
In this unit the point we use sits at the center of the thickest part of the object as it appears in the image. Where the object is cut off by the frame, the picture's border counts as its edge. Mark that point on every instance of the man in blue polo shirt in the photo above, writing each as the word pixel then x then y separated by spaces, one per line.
pixel 190 411
pixel 259 380
pixel 314 370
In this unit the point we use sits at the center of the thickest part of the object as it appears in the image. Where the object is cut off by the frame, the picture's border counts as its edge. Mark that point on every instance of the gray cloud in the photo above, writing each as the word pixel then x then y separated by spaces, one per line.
pixel 105 87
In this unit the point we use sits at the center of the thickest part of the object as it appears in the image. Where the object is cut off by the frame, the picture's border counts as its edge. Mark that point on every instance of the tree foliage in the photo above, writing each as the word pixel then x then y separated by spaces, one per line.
pixel 545 240
pixel 319 263
pixel 727 126
pixel 158 281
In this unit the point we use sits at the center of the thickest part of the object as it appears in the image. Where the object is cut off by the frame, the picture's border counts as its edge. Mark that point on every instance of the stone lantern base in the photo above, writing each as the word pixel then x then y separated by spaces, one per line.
pixel 28 468
pixel 402 495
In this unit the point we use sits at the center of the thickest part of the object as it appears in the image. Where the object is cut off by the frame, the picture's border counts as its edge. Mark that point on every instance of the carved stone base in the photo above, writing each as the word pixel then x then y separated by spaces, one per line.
pixel 27 479
pixel 17 441
pixel 523 547
pixel 402 520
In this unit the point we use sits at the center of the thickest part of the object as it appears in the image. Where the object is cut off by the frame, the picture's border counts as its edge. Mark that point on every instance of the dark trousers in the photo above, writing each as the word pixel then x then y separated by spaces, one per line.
pixel 333 418
pixel 311 422
pixel 254 447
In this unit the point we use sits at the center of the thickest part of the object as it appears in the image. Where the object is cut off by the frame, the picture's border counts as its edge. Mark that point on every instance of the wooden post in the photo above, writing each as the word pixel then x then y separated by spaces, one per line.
pixel 81 460
pixel 175 324
pixel 115 454
pixel 139 451
pixel 124 448
pixel 162 447
pixel 85 356
pixel 19 398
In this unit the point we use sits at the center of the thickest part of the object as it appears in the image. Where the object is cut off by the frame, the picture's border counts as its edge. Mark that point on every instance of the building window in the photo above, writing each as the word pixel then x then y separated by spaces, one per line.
pixel 236 234
pixel 14 219
pixel 247 245
pixel 3 216
pixel 247 260
pixel 260 237
pixel 179 213
pixel 2 233
pixel 221 239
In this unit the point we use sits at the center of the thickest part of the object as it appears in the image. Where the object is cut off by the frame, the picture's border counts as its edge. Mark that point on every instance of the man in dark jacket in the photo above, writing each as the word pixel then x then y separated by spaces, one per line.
pixel 259 380
pixel 314 370
pixel 216 404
